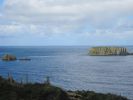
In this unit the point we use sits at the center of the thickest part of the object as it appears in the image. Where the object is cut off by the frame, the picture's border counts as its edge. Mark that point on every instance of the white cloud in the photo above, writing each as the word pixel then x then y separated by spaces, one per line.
pixel 27 7
pixel 54 10
pixel 66 16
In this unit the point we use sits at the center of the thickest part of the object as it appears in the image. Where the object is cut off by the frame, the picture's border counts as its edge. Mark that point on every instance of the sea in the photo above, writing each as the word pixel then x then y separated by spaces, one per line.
pixel 71 68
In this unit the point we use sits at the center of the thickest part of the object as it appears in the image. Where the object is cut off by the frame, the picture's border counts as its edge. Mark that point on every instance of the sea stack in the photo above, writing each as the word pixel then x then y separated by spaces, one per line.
pixel 9 57
pixel 108 51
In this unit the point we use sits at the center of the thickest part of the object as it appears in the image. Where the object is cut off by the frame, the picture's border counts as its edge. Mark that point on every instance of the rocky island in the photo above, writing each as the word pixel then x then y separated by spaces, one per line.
pixel 9 57
pixel 108 51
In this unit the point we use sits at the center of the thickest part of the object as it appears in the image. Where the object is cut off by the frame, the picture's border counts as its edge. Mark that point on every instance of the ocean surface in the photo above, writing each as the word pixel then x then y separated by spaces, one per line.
pixel 71 68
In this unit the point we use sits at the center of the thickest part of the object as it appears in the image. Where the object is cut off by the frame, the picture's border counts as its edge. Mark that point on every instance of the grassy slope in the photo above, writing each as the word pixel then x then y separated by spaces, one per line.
pixel 47 92
pixel 30 92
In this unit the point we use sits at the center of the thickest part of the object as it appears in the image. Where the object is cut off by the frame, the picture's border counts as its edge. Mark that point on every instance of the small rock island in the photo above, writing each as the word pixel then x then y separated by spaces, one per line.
pixel 108 51
pixel 9 57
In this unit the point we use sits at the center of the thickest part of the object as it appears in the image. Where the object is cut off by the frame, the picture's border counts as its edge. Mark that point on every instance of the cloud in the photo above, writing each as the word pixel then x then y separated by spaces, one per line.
pixel 90 18
pixel 40 9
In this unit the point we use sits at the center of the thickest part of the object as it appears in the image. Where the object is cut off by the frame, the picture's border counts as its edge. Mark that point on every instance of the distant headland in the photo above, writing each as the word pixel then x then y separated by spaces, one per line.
pixel 109 51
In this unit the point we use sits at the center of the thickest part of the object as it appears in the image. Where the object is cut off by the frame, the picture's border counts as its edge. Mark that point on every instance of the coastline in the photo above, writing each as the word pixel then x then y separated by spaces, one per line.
pixel 46 64
pixel 12 90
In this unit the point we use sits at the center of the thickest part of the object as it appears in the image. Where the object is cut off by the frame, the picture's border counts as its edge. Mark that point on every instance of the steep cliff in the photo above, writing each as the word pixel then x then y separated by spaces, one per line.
pixel 108 51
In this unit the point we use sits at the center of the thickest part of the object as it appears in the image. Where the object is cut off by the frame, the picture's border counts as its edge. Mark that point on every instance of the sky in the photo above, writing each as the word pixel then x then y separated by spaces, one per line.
pixel 66 22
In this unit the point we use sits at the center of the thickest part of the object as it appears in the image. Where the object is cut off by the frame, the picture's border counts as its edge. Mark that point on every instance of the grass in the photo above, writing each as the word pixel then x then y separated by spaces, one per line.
pixel 30 91
pixel 37 91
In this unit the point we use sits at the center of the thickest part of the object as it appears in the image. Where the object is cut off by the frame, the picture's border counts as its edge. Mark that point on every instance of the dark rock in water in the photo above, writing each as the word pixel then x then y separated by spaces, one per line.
pixel 25 59
pixel 130 53
pixel 9 57
pixel 108 51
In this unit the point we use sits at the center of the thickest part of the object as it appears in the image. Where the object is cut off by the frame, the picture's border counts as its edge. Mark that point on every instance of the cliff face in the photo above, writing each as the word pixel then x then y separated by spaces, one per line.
pixel 108 51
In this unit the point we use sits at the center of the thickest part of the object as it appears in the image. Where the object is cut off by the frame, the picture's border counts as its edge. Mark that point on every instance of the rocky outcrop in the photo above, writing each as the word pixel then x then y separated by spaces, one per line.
pixel 91 95
pixel 108 51
pixel 9 57
pixel 24 59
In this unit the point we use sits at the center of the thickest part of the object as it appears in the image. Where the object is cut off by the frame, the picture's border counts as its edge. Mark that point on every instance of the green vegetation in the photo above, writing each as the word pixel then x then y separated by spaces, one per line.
pixel 16 91
pixel 11 90
pixel 108 51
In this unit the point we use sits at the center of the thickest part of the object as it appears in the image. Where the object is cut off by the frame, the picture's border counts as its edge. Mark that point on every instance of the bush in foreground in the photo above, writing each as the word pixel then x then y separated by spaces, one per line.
pixel 17 91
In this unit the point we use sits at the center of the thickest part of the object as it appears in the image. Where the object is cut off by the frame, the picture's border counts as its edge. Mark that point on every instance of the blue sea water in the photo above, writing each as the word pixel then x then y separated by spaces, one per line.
pixel 71 68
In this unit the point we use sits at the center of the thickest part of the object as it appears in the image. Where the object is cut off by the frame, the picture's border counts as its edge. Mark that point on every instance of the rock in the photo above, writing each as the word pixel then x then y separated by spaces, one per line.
pixel 108 51
pixel 73 95
pixel 25 59
pixel 9 57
